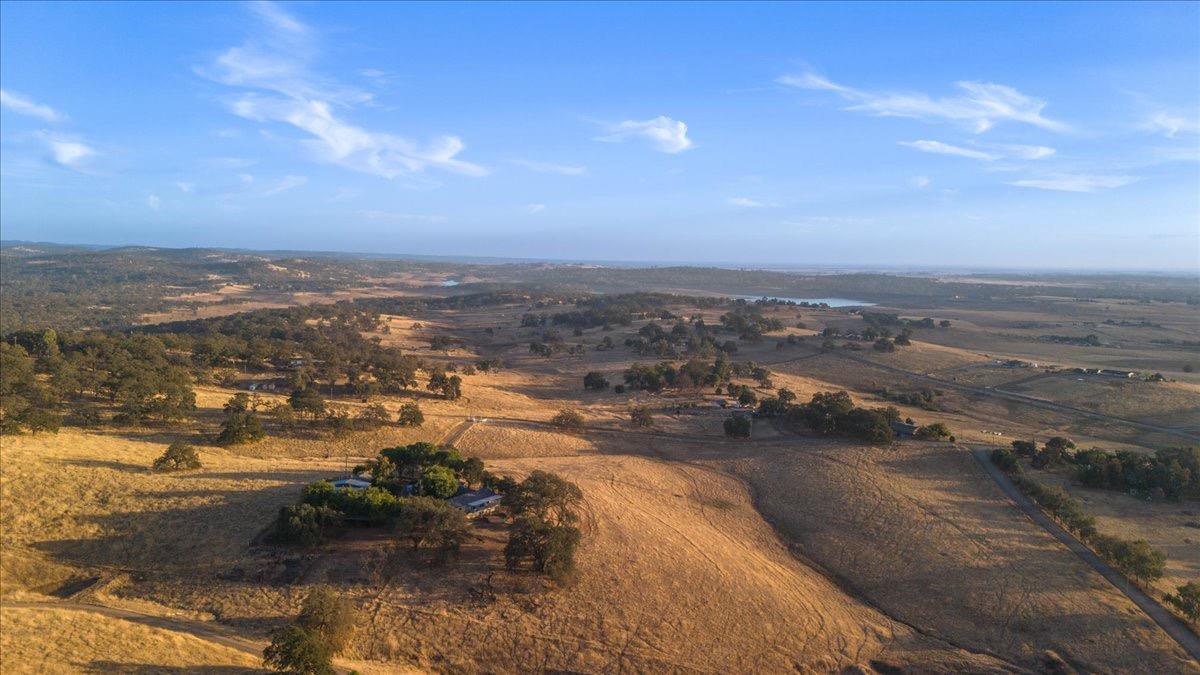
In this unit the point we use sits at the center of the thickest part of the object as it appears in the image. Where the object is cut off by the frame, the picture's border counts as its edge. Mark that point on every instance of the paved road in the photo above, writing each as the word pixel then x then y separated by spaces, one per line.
pixel 1163 617
pixel 1022 398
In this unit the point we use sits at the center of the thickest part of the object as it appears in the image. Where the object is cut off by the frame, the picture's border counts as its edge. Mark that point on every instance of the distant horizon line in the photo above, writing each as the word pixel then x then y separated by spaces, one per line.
pixel 634 263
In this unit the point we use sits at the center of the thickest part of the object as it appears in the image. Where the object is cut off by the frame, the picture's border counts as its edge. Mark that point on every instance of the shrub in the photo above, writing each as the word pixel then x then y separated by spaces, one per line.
pixel 296 650
pixel 568 420
pixel 1187 600
pixel 410 415
pixel 1024 448
pixel 178 457
pixel 303 525
pixel 737 426
pixel 284 415
pixel 933 432
pixel 38 420
pixel 374 505
pixel 595 381
pixel 641 417
pixel 1005 460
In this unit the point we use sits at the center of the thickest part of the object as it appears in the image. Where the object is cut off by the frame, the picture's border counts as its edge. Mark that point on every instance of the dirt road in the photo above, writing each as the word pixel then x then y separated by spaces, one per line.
pixel 1163 617
pixel 203 630
pixel 1022 398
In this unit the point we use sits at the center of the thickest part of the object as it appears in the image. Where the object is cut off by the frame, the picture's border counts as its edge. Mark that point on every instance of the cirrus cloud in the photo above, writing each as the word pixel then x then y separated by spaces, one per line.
pixel 278 86
pixel 551 167
pixel 26 106
pixel 977 105
pixel 1067 182
pixel 748 203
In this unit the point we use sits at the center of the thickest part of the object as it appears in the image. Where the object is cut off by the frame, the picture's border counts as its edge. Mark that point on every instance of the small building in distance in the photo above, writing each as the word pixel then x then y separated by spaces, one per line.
pixel 352 483
pixel 476 502
pixel 903 429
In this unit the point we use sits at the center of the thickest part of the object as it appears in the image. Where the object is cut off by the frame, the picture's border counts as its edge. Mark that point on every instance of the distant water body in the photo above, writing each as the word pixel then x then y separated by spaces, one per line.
pixel 832 302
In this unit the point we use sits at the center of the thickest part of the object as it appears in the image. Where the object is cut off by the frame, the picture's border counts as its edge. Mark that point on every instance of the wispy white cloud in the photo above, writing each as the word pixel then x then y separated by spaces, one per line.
pixel 1030 152
pixel 662 133
pixel 392 216
pixel 939 148
pixel 978 105
pixel 286 183
pixel 919 182
pixel 67 151
pixel 378 77
pixel 535 208
pixel 1066 182
pixel 230 163
pixel 1171 125
pixel 748 203
pixel 185 186
pixel 153 202
pixel 982 152
pixel 246 178
pixel 277 18
pixel 551 167
pixel 23 105
pixel 280 87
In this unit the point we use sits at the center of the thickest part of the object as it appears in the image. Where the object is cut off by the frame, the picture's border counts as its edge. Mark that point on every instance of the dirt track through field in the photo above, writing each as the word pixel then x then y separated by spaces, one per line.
pixel 1025 399
pixel 1161 615
pixel 203 630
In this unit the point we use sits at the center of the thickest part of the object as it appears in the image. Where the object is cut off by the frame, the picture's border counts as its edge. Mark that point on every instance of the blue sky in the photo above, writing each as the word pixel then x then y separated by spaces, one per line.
pixel 1012 135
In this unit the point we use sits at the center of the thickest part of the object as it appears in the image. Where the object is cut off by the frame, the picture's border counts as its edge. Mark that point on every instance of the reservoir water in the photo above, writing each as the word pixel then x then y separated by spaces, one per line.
pixel 832 302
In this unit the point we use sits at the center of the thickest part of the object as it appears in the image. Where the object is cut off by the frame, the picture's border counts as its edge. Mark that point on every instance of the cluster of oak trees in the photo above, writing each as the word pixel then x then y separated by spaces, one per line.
pixel 1169 474
pixel 409 488
pixel 148 375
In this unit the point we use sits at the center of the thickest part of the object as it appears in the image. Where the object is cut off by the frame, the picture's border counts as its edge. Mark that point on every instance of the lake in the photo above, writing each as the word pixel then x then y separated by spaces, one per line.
pixel 832 302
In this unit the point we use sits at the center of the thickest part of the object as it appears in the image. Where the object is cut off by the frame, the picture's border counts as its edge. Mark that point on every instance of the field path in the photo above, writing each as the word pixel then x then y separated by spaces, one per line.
pixel 201 629
pixel 1161 615
pixel 456 433
pixel 1023 398
pixel 204 630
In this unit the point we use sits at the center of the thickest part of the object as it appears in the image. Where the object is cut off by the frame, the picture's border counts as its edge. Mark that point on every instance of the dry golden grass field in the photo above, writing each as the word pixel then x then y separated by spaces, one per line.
pixel 786 552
